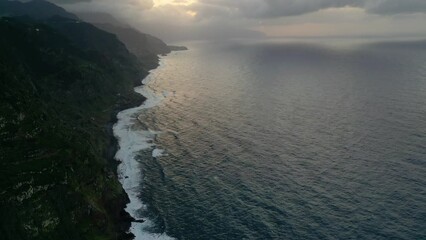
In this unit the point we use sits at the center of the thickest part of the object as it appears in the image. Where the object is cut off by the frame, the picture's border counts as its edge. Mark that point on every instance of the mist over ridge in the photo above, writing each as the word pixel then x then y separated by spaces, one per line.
pixel 222 19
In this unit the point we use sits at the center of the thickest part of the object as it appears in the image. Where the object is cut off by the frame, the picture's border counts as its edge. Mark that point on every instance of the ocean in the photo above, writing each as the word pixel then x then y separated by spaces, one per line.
pixel 279 140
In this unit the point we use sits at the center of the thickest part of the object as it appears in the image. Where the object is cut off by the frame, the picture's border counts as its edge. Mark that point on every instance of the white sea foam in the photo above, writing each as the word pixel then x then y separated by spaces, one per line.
pixel 143 235
pixel 157 153
pixel 131 141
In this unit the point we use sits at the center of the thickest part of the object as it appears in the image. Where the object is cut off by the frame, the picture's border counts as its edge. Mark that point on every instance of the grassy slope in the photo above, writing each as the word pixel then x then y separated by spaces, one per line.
pixel 56 100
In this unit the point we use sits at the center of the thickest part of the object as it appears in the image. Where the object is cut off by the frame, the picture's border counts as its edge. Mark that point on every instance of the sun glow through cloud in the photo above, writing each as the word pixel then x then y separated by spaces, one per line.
pixel 182 3
pixel 173 2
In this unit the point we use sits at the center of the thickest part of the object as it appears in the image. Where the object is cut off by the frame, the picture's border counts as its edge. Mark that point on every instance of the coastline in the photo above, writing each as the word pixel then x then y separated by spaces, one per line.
pixel 58 146
pixel 118 206
pixel 122 153
pixel 124 220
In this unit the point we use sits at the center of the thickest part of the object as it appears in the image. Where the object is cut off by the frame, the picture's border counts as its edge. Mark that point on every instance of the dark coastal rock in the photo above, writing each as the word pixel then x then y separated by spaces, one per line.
pixel 139 221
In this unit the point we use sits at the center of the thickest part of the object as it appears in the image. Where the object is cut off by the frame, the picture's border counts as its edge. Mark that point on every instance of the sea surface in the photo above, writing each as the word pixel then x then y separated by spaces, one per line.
pixel 280 140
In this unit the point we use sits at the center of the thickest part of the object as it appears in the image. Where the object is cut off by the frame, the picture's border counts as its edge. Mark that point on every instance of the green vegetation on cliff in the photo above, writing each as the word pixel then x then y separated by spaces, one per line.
pixel 61 81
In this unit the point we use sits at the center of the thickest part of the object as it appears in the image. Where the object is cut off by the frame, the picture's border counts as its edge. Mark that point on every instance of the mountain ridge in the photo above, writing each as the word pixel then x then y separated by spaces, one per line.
pixel 38 9
pixel 63 81
pixel 139 43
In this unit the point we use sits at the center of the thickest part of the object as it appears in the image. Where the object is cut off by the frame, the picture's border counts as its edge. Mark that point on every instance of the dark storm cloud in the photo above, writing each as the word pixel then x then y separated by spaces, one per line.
pixel 282 8
pixel 189 19
pixel 396 6
pixel 270 8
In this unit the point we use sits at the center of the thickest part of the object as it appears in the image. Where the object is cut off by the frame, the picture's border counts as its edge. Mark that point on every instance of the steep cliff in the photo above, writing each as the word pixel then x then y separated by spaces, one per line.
pixel 143 45
pixel 57 94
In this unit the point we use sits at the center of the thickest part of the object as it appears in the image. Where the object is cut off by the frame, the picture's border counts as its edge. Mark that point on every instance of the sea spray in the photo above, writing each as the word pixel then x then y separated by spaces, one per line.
pixel 132 141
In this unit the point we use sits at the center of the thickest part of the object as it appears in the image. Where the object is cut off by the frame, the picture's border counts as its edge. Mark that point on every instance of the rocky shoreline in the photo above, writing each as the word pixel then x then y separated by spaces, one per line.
pixel 124 220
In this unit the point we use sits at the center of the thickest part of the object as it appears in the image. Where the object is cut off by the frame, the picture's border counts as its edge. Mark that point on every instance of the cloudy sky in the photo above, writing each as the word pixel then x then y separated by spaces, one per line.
pixel 176 20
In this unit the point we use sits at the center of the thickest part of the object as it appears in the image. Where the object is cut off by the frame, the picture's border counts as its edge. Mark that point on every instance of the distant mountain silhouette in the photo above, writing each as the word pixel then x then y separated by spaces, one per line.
pixel 140 44
pixel 86 36
pixel 144 46
pixel 37 9
pixel 100 17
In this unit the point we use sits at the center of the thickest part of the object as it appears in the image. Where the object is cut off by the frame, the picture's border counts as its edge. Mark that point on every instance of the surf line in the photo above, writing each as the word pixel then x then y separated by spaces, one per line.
pixel 131 141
